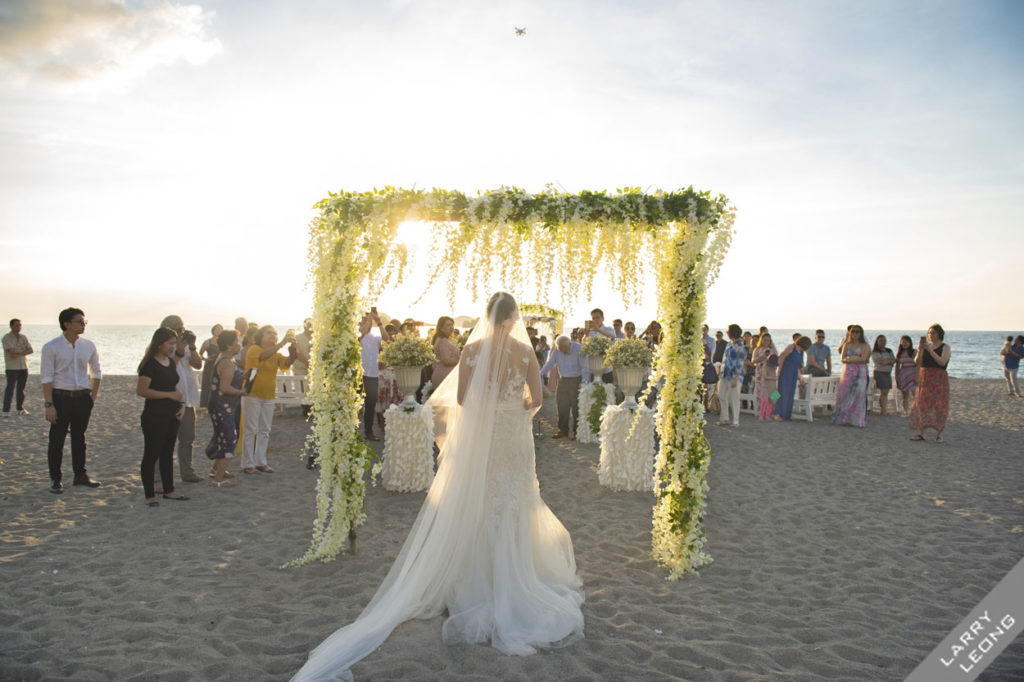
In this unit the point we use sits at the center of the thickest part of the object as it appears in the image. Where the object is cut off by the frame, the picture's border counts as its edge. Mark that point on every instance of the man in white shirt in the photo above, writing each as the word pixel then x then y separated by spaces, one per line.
pixel 369 349
pixel 187 360
pixel 70 374
pixel 16 347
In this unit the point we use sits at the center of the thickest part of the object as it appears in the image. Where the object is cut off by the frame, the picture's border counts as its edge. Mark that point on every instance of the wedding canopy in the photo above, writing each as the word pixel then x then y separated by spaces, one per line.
pixel 490 242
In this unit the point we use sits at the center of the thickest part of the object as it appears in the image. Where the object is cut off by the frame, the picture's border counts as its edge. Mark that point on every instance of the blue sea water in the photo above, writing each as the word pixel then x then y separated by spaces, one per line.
pixel 975 353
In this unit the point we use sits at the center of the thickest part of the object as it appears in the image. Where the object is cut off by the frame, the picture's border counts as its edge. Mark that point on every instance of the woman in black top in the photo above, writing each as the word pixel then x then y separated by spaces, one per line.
pixel 158 380
pixel 931 404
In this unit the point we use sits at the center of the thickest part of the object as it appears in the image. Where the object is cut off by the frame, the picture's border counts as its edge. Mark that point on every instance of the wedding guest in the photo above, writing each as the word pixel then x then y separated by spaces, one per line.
pixel 819 357
pixel 447 352
pixel 258 402
pixel 387 385
pixel 16 349
pixel 729 379
pixel 851 398
pixel 749 343
pixel 708 343
pixel 209 352
pixel 542 349
pixel 652 335
pixel 883 360
pixel 1011 363
pixel 303 345
pixel 159 385
pixel 931 404
pixel 630 330
pixel 720 345
pixel 766 375
pixel 242 327
pixel 617 329
pixel 791 359
pixel 906 372
pixel 186 361
pixel 225 402
pixel 572 369
pixel 369 349
pixel 597 327
pixel 70 376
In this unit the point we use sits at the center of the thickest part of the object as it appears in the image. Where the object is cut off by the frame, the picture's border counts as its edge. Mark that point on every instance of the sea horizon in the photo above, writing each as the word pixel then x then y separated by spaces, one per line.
pixel 975 352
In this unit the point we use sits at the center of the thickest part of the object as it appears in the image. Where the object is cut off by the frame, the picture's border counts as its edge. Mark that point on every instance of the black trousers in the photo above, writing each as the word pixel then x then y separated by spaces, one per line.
pixel 369 403
pixel 159 429
pixel 567 399
pixel 73 414
pixel 16 378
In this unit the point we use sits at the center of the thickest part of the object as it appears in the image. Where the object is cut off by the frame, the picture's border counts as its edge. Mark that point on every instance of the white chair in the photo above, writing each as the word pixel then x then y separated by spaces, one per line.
pixel 818 392
pixel 291 391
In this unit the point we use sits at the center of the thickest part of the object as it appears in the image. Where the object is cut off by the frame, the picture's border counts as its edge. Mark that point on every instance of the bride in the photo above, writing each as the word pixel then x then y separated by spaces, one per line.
pixel 484 546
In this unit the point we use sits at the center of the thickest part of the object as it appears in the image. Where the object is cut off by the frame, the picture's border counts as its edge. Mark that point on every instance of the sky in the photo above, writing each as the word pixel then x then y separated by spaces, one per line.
pixel 162 157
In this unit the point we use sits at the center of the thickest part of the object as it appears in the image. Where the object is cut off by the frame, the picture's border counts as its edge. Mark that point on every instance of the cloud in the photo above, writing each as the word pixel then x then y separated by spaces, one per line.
pixel 99 41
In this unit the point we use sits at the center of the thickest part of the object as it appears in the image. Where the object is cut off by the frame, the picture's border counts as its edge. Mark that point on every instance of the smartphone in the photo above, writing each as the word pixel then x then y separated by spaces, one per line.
pixel 922 339
pixel 373 309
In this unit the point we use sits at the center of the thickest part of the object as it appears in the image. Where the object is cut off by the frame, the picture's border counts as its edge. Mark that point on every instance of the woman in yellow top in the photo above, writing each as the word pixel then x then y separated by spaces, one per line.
pixel 258 403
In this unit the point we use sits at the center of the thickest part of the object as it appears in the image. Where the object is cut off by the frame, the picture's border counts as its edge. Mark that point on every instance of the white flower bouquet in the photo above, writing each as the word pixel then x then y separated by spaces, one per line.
pixel 595 346
pixel 407 350
pixel 628 353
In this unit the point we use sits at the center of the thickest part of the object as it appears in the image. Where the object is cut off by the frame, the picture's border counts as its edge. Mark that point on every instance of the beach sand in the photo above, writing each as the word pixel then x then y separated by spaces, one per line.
pixel 840 554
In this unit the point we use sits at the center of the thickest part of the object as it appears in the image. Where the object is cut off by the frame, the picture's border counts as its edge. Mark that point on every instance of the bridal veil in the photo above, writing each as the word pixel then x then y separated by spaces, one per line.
pixel 484 545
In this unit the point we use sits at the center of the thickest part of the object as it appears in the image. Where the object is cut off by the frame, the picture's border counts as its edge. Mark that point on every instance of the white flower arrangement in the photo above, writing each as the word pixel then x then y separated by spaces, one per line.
pixel 595 346
pixel 407 350
pixel 509 238
pixel 629 353
pixel 408 465
pixel 592 396
pixel 627 448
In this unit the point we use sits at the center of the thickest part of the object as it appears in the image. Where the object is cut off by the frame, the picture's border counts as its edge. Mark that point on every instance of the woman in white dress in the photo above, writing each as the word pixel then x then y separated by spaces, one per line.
pixel 485 547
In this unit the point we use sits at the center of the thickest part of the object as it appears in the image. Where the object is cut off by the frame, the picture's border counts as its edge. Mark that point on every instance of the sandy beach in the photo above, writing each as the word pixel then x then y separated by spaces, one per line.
pixel 840 554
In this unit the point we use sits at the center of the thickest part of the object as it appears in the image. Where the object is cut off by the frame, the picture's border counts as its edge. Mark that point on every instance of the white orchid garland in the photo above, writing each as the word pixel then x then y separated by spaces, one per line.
pixel 508 238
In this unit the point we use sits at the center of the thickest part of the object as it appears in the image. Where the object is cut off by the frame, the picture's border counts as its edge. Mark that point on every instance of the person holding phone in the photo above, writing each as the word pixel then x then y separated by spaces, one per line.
pixel 931 403
pixel 369 349
pixel 851 398
pixel 258 403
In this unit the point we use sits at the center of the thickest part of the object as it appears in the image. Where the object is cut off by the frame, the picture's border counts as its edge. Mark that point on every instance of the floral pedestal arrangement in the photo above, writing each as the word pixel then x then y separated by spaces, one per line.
pixel 630 380
pixel 593 397
pixel 408 465
pixel 627 459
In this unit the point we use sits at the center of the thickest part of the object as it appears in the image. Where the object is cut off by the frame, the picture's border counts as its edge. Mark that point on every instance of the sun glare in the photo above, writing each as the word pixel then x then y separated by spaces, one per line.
pixel 415 235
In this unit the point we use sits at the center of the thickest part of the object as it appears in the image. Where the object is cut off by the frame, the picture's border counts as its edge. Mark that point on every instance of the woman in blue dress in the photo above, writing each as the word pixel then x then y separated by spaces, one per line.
pixel 790 361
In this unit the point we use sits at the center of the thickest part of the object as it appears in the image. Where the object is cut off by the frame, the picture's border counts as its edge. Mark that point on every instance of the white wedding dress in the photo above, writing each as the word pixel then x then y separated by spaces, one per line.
pixel 484 547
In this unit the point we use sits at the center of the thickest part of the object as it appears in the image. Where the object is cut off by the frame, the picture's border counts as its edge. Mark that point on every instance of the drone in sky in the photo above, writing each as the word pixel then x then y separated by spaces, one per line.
pixel 520 31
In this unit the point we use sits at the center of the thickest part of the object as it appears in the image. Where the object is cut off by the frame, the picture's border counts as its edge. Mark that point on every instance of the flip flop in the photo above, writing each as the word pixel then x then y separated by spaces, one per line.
pixel 938 439
pixel 917 437
pixel 180 498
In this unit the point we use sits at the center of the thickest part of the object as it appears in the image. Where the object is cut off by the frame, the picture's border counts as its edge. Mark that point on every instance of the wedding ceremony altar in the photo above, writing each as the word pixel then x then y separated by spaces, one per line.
pixel 522 242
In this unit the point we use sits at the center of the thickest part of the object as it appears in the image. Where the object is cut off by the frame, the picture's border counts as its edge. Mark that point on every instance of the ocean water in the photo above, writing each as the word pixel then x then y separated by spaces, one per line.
pixel 975 353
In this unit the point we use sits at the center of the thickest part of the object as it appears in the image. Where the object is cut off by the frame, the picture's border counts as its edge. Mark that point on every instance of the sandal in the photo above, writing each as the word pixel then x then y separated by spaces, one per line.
pixel 265 469
pixel 179 497
pixel 223 484
pixel 938 439
pixel 917 437
pixel 153 503
pixel 248 470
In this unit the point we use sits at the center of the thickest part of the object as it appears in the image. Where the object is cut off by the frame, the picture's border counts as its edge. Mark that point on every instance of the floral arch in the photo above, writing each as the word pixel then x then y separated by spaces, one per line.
pixel 490 240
